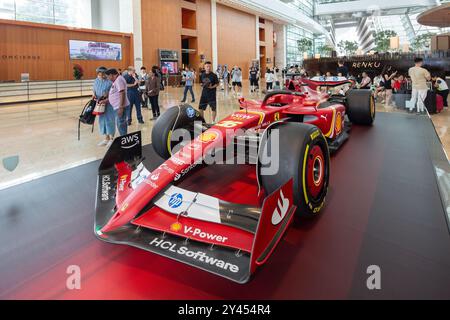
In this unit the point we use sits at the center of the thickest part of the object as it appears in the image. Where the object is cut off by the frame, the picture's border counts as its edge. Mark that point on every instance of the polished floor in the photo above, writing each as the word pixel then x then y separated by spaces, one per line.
pixel 44 135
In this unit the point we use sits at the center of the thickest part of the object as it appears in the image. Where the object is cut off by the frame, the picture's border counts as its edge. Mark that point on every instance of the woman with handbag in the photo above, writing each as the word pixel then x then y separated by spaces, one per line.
pixel 153 88
pixel 105 112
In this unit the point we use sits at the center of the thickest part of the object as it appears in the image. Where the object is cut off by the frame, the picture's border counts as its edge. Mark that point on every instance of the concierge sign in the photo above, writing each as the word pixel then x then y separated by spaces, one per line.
pixel 90 50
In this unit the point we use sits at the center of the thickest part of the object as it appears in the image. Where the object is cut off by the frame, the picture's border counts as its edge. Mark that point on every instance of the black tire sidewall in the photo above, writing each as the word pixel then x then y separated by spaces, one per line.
pixel 295 139
pixel 166 123
pixel 359 108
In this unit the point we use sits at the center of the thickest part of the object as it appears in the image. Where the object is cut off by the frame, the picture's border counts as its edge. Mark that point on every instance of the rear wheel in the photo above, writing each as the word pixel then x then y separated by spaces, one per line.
pixel 361 107
pixel 303 157
pixel 180 117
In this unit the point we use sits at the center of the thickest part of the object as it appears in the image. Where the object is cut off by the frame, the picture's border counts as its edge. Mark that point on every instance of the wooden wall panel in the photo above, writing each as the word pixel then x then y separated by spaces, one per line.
pixel 204 32
pixel 51 44
pixel 236 38
pixel 161 28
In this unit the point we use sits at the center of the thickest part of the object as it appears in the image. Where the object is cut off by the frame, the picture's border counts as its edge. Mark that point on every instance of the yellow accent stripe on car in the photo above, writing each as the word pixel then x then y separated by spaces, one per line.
pixel 169 140
pixel 261 115
pixel 304 174
pixel 328 135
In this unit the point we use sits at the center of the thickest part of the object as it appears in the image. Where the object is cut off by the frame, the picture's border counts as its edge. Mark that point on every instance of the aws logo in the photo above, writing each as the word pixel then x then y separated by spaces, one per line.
pixel 130 141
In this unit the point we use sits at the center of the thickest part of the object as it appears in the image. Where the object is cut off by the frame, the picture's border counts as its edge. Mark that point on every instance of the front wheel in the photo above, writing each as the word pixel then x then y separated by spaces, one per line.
pixel 361 107
pixel 303 156
pixel 179 117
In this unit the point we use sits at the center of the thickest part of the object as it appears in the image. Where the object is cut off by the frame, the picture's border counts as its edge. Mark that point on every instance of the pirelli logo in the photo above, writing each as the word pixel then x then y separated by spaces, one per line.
pixel 315 135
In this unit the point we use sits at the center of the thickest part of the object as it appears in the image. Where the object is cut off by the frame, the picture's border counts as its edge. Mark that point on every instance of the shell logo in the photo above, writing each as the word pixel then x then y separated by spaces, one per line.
pixel 339 123
pixel 208 137
pixel 176 227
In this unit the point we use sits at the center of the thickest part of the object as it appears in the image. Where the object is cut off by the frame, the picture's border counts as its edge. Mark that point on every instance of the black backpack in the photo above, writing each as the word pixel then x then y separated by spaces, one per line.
pixel 87 116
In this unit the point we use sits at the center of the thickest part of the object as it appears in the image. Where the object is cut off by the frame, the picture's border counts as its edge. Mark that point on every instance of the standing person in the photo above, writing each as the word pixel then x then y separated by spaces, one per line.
pixel 441 89
pixel 253 75
pixel 269 79
pixel 189 82
pixel 118 99
pixel 387 85
pixel 209 82
pixel 419 77
pixel 143 77
pixel 342 69
pixel 106 121
pixel 133 95
pixel 153 86
pixel 226 76
pixel 236 80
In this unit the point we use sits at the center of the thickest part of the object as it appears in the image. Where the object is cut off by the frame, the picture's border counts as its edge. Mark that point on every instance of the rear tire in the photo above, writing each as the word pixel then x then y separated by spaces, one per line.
pixel 305 158
pixel 180 117
pixel 361 107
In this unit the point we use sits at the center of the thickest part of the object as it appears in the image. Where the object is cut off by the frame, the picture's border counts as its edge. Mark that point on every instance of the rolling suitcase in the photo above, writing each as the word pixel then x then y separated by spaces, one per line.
pixel 430 102
pixel 439 103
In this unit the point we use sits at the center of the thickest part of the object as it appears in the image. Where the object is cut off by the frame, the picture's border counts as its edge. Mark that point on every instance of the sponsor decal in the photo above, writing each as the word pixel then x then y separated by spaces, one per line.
pixel 242 116
pixel 177 161
pixel 155 177
pixel 196 232
pixel 167 168
pixel 229 124
pixel 190 112
pixel 199 256
pixel 122 182
pixel 208 137
pixel 176 200
pixel 129 142
pixel 125 206
pixel 281 210
pixel 106 187
pixel 151 184
pixel 176 227
pixel 180 175
pixel 315 134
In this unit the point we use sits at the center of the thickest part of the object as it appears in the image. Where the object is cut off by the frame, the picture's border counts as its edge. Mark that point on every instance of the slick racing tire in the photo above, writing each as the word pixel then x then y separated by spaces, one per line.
pixel 361 107
pixel 179 117
pixel 303 157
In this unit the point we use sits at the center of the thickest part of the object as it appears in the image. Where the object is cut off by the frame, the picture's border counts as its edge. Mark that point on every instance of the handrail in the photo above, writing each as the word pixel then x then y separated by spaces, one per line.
pixel 33 91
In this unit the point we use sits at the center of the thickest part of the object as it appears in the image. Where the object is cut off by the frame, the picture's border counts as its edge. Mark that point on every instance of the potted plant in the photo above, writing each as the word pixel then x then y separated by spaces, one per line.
pixel 78 72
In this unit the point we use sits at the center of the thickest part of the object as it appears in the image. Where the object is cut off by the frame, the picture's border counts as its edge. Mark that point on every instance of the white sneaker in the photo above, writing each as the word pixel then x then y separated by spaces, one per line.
pixel 103 143
pixel 109 144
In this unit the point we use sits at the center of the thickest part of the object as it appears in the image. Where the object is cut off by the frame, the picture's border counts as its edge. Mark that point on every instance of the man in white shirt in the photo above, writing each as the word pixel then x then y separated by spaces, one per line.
pixel 419 77
pixel 442 89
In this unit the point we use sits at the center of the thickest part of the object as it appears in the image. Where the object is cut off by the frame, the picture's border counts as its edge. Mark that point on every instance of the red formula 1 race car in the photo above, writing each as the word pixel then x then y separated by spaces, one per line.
pixel 232 226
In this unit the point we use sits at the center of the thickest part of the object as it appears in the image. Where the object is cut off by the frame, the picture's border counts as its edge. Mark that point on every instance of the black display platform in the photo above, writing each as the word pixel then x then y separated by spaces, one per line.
pixel 384 208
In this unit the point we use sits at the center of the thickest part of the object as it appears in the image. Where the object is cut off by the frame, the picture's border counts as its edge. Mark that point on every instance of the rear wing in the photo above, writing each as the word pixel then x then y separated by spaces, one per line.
pixel 315 82
pixel 226 239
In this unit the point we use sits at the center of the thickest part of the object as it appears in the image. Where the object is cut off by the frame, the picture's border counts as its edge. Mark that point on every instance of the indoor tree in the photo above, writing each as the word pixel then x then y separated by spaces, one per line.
pixel 422 42
pixel 348 47
pixel 325 50
pixel 383 40
pixel 304 45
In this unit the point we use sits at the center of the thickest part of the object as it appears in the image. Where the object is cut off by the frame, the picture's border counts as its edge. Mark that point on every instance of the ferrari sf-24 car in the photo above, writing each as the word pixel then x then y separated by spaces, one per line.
pixel 170 212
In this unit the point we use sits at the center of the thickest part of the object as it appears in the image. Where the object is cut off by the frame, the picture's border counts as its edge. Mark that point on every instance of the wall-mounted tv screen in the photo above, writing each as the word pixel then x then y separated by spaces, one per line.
pixel 170 67
pixel 91 50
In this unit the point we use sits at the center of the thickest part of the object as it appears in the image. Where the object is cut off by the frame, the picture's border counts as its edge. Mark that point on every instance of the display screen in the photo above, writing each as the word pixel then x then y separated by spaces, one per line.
pixel 170 67
pixel 91 50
